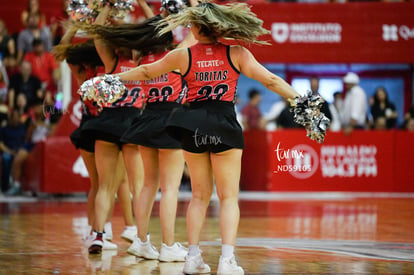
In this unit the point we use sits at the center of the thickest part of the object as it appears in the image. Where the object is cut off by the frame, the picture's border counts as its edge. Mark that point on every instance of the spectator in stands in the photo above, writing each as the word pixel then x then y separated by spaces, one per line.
pixel 4 82
pixel 407 116
pixel 27 84
pixel 382 107
pixel 409 124
pixel 252 117
pixel 22 108
pixel 314 86
pixel 354 112
pixel 37 131
pixel 56 19
pixel 285 119
pixel 12 137
pixel 380 123
pixel 7 44
pixel 4 113
pixel 43 64
pixel 32 31
pixel 10 63
pixel 335 108
pixel 33 8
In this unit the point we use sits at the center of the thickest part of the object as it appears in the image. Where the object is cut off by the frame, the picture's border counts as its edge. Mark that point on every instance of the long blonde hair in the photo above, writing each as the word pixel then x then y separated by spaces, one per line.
pixel 231 21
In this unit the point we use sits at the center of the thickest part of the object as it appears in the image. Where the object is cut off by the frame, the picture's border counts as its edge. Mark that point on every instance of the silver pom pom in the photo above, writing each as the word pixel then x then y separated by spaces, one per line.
pixel 87 11
pixel 121 8
pixel 172 6
pixel 103 90
pixel 307 112
pixel 79 11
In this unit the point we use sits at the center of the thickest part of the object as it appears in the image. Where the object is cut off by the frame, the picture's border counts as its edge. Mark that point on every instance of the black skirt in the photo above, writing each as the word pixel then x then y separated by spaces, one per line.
pixel 208 126
pixel 84 142
pixel 111 124
pixel 149 129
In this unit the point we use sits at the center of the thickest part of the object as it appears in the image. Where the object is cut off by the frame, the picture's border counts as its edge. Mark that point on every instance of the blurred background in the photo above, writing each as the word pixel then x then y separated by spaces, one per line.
pixel 358 55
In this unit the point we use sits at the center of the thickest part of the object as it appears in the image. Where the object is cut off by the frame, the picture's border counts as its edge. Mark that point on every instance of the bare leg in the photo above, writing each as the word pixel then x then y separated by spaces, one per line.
pixel 149 190
pixel 107 157
pixel 171 163
pixel 18 162
pixel 135 173
pixel 202 188
pixel 226 168
pixel 89 160
pixel 124 195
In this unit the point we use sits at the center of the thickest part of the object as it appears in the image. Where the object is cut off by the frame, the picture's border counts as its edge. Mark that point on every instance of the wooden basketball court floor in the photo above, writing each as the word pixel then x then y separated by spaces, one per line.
pixel 279 233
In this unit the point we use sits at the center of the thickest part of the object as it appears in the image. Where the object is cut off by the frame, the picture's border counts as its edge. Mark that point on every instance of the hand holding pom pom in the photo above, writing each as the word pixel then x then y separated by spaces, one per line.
pixel 103 90
pixel 307 112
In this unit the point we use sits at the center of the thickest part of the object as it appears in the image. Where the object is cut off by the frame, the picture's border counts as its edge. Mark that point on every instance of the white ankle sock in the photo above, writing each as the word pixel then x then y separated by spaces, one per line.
pixel 131 227
pixel 227 251
pixel 193 250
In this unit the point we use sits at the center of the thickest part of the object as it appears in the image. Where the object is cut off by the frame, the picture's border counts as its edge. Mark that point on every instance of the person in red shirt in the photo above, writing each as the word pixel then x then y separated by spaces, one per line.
pixel 43 63
pixel 252 117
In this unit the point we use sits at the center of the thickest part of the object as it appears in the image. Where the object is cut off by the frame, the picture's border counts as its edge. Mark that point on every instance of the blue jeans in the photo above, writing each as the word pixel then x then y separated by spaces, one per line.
pixel 7 161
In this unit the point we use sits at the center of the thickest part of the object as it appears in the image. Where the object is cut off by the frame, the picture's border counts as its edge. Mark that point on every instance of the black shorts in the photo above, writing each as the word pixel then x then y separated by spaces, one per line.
pixel 208 126
pixel 111 124
pixel 149 128
pixel 84 142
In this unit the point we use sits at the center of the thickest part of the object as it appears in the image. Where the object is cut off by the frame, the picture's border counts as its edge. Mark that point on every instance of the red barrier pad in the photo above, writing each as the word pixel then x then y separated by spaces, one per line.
pixel 365 161
pixel 403 161
pixel 64 170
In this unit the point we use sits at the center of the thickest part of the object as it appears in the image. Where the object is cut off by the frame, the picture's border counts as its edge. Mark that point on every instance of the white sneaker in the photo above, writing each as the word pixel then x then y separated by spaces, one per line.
pixel 228 266
pixel 87 232
pixel 87 240
pixel 108 231
pixel 144 250
pixel 129 234
pixel 174 253
pixel 195 265
pixel 109 245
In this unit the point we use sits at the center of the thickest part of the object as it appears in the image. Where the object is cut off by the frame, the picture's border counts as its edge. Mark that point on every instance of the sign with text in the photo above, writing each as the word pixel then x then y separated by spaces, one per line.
pixel 336 33
pixel 360 162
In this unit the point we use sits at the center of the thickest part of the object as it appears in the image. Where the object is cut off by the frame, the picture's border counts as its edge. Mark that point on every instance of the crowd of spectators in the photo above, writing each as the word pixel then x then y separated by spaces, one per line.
pixel 351 109
pixel 29 84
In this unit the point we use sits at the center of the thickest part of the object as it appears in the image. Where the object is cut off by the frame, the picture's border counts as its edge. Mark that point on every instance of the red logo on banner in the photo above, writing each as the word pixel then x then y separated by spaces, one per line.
pixel 76 114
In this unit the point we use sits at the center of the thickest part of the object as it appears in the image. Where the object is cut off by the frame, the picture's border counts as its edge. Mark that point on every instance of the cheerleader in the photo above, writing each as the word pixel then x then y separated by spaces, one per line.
pixel 142 39
pixel 84 63
pixel 209 133
pixel 162 155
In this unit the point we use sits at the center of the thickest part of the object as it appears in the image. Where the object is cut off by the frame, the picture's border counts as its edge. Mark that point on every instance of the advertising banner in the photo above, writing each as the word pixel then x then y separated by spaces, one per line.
pixel 334 33
pixel 365 161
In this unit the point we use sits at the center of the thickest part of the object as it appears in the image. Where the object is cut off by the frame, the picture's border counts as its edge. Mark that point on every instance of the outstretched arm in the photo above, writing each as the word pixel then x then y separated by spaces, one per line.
pixel 250 67
pixel 174 60
pixel 106 53
pixel 146 9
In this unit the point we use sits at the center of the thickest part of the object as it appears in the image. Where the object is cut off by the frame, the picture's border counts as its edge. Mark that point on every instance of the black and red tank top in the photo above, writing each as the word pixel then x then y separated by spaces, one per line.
pixel 89 107
pixel 211 74
pixel 168 87
pixel 133 96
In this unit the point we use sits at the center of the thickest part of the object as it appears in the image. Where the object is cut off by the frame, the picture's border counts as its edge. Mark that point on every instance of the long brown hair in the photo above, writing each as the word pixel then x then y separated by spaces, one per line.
pixel 230 21
pixel 78 54
pixel 142 37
